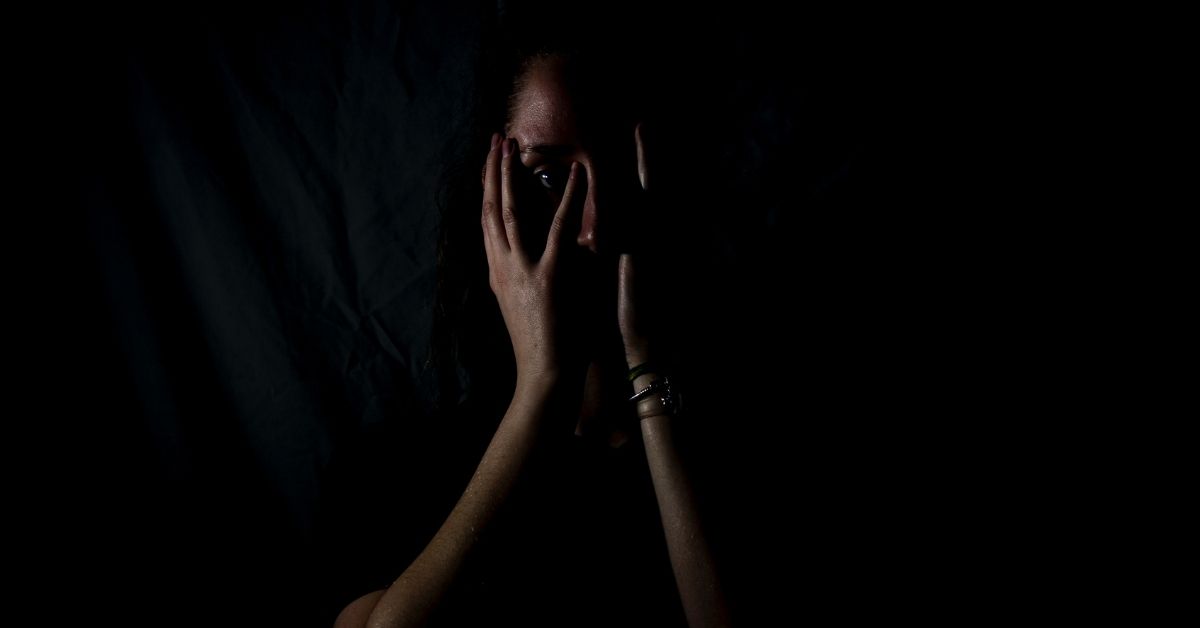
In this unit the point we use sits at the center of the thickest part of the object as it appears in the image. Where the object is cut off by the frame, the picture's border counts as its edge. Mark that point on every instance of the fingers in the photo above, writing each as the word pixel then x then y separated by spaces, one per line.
pixel 493 228
pixel 640 139
pixel 632 221
pixel 508 197
pixel 565 217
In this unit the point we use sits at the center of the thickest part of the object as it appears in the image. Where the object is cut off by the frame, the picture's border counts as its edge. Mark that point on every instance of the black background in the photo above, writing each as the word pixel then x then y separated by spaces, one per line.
pixel 250 279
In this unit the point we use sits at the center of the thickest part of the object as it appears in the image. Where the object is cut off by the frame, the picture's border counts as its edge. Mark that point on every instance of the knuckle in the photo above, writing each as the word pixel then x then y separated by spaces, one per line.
pixel 557 224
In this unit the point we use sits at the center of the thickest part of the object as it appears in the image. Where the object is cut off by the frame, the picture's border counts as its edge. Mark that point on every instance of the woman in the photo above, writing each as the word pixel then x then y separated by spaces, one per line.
pixel 558 229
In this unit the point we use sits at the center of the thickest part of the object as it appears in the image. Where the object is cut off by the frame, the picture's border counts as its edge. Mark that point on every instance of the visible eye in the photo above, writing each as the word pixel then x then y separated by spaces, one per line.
pixel 554 179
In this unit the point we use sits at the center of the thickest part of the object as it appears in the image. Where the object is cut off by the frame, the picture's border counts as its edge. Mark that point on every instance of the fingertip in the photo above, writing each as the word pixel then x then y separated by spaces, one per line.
pixel 576 178
pixel 643 174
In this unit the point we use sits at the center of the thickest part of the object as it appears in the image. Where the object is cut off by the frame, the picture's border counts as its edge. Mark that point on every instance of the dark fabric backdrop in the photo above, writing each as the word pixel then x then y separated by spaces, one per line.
pixel 256 264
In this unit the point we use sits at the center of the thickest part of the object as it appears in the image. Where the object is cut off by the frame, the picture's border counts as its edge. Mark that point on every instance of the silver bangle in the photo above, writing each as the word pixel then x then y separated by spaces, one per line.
pixel 670 398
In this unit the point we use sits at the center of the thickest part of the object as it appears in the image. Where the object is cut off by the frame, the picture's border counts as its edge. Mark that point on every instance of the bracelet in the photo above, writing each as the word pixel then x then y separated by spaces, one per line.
pixel 639 369
pixel 670 399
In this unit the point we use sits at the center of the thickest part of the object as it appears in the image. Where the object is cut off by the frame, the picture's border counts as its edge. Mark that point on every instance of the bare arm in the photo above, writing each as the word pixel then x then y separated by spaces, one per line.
pixel 530 296
pixel 692 561
pixel 413 597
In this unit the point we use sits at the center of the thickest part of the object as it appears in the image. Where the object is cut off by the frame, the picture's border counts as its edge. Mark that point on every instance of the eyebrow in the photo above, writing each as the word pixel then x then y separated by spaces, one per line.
pixel 550 150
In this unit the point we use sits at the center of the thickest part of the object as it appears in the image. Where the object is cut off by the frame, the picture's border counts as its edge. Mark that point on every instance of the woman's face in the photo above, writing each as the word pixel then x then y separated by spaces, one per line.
pixel 555 125
pixel 558 117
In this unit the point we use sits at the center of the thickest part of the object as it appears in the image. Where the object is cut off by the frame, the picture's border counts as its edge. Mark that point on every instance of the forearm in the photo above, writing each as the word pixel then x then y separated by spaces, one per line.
pixel 692 561
pixel 413 597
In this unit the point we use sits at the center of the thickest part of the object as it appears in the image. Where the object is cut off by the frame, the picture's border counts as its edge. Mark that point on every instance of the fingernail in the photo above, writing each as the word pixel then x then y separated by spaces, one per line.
pixel 495 139
pixel 508 146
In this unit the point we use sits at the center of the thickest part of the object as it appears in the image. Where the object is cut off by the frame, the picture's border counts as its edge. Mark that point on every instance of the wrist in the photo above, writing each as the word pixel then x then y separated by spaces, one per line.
pixel 645 379
pixel 652 404
pixel 637 349
pixel 636 356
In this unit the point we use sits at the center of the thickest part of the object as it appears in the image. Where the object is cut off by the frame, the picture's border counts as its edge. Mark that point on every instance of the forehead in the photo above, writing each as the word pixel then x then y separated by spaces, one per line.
pixel 544 109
